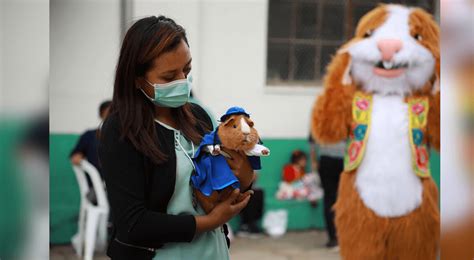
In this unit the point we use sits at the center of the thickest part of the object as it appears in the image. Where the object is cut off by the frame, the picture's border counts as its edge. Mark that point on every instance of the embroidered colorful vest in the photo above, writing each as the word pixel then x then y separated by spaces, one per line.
pixel 361 114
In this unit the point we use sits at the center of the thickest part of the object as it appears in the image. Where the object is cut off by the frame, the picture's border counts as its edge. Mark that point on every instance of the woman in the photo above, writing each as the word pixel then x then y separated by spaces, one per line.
pixel 146 146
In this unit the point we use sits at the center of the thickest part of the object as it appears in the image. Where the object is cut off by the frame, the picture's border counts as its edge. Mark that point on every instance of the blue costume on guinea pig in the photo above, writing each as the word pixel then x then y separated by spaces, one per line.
pixel 212 171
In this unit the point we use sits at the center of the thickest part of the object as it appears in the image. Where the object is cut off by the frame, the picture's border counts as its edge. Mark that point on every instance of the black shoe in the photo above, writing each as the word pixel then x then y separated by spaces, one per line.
pixel 332 243
pixel 254 229
pixel 243 230
pixel 249 231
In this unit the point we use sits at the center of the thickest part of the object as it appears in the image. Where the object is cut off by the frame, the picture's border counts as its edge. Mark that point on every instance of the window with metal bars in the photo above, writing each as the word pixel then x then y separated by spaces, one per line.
pixel 304 34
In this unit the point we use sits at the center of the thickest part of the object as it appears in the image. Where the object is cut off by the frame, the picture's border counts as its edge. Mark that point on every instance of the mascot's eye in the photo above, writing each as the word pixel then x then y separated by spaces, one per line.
pixel 418 37
pixel 368 33
pixel 235 126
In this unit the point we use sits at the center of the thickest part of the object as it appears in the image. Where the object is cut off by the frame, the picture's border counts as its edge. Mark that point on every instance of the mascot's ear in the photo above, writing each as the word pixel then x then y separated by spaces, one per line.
pixel 346 77
pixel 424 24
pixel 339 70
pixel 435 51
pixel 436 85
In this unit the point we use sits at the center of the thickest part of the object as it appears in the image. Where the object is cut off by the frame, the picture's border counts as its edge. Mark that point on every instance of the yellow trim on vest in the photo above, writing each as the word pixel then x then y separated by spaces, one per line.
pixel 361 112
pixel 418 108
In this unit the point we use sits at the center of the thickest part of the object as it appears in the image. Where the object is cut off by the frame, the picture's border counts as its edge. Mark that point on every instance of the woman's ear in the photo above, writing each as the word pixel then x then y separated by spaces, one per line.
pixel 140 83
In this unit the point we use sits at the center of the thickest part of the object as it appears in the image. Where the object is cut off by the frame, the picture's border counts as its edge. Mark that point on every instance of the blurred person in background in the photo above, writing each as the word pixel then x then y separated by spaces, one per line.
pixel 33 154
pixel 296 183
pixel 252 214
pixel 145 150
pixel 328 160
pixel 457 140
pixel 295 170
pixel 87 145
pixel 87 148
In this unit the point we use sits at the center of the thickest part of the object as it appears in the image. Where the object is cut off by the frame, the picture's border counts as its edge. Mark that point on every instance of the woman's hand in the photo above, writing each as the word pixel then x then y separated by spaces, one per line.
pixel 77 158
pixel 240 166
pixel 223 211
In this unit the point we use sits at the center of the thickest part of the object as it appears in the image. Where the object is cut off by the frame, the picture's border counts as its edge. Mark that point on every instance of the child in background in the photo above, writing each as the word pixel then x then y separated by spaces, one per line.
pixel 297 184
pixel 295 170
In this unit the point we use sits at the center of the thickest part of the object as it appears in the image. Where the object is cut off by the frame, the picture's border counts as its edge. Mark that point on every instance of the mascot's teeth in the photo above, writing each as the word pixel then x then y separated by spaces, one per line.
pixel 387 64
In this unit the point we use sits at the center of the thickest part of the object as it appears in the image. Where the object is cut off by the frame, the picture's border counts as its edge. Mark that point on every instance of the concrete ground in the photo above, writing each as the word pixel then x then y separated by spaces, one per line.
pixel 292 246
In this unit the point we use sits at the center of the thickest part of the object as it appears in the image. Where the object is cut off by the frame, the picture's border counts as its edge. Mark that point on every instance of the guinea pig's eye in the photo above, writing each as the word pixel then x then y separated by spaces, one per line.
pixel 418 37
pixel 235 126
pixel 368 33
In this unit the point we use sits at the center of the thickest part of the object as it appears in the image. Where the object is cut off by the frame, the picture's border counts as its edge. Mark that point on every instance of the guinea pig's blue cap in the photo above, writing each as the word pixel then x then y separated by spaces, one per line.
pixel 234 111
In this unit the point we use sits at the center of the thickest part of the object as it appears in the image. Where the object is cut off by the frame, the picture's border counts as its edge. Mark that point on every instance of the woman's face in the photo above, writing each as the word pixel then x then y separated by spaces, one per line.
pixel 169 66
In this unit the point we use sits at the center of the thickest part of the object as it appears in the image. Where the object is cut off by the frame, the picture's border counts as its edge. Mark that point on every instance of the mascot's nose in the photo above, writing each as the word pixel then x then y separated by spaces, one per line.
pixel 388 48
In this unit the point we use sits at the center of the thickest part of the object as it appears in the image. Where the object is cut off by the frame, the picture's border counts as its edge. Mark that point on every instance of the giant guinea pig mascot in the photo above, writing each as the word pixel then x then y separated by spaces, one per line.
pixel 382 96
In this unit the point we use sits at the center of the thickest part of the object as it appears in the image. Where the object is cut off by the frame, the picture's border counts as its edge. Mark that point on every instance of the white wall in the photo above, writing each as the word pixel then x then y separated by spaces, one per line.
pixel 228 44
pixel 24 56
pixel 85 42
pixel 234 70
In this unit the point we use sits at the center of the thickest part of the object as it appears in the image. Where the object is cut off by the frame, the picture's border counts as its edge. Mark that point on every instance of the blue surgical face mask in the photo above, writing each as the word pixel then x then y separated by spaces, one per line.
pixel 172 94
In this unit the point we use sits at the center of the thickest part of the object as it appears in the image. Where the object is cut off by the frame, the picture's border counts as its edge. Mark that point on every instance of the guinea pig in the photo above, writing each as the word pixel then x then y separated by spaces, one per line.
pixel 237 133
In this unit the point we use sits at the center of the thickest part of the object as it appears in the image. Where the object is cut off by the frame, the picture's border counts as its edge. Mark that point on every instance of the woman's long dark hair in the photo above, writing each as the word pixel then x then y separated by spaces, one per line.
pixel 145 41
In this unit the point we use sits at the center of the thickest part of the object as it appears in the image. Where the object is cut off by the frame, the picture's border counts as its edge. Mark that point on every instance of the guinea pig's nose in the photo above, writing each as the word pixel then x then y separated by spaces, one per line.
pixel 388 48
pixel 244 127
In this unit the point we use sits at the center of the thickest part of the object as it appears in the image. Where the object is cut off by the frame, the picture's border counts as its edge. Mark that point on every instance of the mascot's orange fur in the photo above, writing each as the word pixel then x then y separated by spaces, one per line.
pixel 382 95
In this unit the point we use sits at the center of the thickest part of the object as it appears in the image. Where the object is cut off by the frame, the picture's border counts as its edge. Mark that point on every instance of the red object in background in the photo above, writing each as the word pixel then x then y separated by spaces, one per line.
pixel 291 173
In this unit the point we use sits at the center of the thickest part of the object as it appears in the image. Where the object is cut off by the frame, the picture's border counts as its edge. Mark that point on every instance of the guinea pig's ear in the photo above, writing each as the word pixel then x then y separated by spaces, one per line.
pixel 249 121
pixel 229 121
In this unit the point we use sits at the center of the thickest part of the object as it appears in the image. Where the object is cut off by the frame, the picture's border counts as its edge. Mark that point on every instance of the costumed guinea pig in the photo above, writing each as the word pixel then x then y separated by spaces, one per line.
pixel 213 180
pixel 382 96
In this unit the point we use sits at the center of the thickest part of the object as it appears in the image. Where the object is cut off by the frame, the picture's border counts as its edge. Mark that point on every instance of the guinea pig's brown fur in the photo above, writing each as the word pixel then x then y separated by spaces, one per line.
pixel 231 135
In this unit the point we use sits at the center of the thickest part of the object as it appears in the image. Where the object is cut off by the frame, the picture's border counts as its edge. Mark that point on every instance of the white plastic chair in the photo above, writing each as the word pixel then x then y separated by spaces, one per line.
pixel 93 219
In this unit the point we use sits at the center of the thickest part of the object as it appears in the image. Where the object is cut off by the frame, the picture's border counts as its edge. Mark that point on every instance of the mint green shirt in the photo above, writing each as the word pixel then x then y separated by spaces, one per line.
pixel 209 245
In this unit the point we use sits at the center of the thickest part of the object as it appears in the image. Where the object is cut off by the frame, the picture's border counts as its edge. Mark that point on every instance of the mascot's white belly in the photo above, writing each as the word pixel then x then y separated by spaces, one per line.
pixel 385 178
